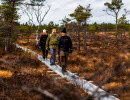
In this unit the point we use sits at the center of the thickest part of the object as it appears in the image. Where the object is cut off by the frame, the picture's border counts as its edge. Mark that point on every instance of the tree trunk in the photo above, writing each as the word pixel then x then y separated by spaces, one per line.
pixel 78 38
pixel 9 44
pixel 11 28
pixel 116 26
pixel 37 34
pixel 85 40
pixel 36 37
pixel 5 44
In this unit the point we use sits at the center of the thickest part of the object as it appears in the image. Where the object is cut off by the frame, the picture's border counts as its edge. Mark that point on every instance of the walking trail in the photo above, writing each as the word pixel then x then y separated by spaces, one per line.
pixel 87 86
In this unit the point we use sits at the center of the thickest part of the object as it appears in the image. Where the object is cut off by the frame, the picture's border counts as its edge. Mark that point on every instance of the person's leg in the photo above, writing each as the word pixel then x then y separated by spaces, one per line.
pixel 63 64
pixel 53 56
pixel 61 58
pixel 51 52
pixel 46 54
pixel 66 58
pixel 43 52
pixel 63 61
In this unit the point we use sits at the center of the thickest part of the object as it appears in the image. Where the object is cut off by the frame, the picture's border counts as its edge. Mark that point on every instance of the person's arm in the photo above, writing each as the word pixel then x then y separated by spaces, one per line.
pixel 58 38
pixel 70 45
pixel 47 42
pixel 40 41
pixel 59 45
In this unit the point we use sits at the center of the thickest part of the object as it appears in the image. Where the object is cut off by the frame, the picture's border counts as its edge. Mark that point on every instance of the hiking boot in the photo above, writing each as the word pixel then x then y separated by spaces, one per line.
pixel 43 58
pixel 64 69
pixel 52 64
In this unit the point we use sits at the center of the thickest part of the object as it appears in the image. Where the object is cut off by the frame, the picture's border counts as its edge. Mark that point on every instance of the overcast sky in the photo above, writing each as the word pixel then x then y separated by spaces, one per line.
pixel 62 8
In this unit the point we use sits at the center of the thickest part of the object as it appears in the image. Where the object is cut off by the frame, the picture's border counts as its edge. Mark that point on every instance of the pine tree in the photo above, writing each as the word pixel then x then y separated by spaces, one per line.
pixel 10 16
pixel 81 15
pixel 113 9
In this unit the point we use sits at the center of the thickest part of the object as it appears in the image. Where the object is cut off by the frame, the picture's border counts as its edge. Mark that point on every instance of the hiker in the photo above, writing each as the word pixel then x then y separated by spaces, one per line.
pixel 64 48
pixel 52 44
pixel 42 44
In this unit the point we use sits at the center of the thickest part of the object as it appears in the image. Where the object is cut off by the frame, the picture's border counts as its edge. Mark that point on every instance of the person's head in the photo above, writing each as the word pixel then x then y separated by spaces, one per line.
pixel 53 31
pixel 63 32
pixel 44 32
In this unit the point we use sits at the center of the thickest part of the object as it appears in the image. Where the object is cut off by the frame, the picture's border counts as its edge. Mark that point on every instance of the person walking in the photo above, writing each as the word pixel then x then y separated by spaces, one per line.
pixel 42 44
pixel 64 48
pixel 52 44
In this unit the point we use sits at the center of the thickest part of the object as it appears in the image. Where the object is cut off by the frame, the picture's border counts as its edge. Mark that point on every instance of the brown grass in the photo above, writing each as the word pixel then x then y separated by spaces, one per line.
pixel 21 70
pixel 106 59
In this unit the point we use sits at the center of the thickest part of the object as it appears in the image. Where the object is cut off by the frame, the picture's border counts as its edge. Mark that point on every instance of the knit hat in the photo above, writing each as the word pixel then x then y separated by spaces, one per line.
pixel 44 30
pixel 64 30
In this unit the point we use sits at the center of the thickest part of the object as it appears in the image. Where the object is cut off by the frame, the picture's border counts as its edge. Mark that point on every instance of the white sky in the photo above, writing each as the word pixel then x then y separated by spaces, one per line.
pixel 62 8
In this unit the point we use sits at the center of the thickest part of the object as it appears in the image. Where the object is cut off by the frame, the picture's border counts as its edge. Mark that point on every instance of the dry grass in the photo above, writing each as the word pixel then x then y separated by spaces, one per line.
pixel 21 70
pixel 5 74
pixel 107 62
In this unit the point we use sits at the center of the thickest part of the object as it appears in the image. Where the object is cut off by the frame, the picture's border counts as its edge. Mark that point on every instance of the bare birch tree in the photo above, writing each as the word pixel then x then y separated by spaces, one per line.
pixel 35 11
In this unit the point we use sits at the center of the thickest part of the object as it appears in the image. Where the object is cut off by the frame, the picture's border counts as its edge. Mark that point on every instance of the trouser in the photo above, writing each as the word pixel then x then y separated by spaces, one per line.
pixel 64 58
pixel 44 52
pixel 53 56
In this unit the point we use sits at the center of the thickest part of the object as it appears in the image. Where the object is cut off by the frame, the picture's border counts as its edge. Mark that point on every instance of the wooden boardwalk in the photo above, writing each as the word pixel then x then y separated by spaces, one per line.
pixel 87 86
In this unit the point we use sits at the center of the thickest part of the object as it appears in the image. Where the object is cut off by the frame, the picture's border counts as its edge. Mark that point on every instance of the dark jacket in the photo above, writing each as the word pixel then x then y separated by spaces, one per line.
pixel 43 40
pixel 65 43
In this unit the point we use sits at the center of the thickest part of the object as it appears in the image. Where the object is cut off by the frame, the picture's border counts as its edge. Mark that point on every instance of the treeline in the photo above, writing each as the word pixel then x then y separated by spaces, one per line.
pixel 95 27
pixel 24 28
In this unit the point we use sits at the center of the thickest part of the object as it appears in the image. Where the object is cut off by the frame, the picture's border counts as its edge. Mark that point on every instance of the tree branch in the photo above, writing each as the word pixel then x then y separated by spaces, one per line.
pixel 108 13
pixel 39 90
